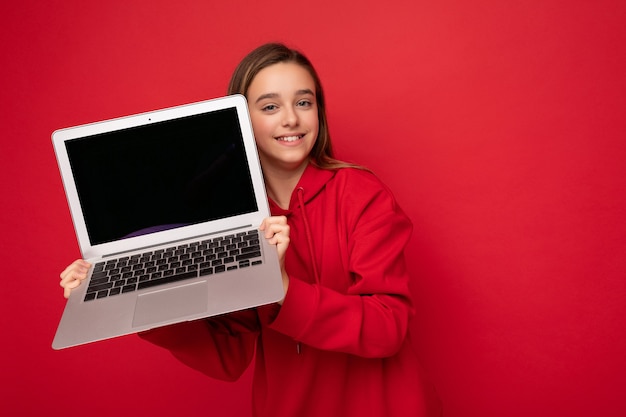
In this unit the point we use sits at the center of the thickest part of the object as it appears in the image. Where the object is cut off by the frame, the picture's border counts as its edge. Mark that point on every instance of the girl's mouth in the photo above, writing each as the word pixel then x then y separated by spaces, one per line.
pixel 289 138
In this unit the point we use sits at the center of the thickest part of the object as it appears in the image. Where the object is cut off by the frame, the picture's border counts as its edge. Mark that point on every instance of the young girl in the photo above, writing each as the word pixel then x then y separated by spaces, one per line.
pixel 338 343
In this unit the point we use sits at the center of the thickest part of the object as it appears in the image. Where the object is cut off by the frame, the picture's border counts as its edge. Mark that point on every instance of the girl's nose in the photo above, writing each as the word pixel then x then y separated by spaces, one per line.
pixel 290 117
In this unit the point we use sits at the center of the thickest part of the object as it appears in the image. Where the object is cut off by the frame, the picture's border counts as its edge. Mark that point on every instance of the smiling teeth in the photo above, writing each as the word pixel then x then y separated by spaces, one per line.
pixel 289 138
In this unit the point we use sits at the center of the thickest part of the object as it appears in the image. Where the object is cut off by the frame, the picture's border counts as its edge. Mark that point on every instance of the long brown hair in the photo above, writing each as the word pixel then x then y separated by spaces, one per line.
pixel 273 53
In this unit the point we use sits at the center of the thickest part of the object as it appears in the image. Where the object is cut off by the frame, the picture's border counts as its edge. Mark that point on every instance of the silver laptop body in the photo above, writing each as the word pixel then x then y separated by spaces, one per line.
pixel 166 206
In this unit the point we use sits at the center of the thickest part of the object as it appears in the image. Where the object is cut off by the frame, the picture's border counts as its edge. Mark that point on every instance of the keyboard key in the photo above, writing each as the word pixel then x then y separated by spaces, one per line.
pixel 248 255
pixel 100 287
pixel 129 288
pixel 167 279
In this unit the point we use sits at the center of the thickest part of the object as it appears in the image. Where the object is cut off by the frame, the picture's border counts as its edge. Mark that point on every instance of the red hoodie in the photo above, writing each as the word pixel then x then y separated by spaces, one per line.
pixel 338 346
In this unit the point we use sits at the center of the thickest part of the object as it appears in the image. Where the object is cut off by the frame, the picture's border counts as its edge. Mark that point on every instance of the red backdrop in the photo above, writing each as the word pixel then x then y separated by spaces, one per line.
pixel 499 125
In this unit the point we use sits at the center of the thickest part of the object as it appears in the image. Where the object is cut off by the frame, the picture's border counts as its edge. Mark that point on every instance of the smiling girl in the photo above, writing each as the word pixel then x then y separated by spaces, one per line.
pixel 338 343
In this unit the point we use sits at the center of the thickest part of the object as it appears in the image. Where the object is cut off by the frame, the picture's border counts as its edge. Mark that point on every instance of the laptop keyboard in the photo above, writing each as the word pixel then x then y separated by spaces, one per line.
pixel 177 263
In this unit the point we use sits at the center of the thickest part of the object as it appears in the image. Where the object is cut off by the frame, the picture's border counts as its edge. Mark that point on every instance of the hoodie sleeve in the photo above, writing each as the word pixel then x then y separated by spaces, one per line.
pixel 220 347
pixel 370 318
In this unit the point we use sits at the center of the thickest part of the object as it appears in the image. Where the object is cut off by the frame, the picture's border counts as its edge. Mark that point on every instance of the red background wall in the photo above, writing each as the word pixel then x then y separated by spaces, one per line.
pixel 500 126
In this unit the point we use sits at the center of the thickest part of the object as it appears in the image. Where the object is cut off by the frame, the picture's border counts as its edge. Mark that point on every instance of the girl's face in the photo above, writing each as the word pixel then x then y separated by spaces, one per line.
pixel 283 110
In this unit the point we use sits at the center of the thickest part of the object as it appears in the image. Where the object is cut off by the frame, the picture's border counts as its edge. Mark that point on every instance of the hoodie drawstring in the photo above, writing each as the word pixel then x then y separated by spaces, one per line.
pixel 307 229
pixel 309 240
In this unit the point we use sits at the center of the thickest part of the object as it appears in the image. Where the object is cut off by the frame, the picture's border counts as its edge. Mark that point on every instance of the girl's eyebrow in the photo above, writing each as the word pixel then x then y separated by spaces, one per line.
pixel 303 92
pixel 264 96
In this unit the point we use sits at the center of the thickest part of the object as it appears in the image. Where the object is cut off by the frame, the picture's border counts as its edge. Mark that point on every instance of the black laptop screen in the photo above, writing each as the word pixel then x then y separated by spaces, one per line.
pixel 163 175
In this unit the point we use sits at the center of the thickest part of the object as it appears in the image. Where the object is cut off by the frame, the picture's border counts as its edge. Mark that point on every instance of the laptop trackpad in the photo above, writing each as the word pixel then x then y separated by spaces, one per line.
pixel 172 303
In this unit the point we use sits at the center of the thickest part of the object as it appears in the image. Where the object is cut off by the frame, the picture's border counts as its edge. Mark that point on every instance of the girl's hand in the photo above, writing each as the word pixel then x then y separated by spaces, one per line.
pixel 73 275
pixel 276 231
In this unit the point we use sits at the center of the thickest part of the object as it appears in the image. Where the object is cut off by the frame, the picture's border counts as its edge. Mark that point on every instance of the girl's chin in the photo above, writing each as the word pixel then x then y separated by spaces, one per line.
pixel 287 164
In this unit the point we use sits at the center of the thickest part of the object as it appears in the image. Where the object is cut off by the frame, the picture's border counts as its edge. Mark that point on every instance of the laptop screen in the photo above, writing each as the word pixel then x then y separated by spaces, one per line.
pixel 162 175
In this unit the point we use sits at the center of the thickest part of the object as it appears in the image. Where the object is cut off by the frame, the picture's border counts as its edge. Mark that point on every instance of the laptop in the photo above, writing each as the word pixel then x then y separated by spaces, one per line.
pixel 166 207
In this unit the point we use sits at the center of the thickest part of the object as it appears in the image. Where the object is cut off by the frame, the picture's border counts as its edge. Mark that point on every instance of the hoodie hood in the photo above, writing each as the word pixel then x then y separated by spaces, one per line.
pixel 310 185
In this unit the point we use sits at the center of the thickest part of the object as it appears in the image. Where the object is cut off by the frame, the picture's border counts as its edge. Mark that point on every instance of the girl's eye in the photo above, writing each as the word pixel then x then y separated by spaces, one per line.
pixel 269 107
pixel 304 103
